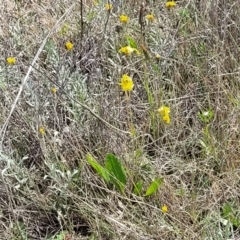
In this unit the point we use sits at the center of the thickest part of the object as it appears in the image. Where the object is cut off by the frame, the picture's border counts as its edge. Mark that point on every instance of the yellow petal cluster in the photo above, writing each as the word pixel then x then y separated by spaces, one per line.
pixel 164 208
pixel 11 60
pixel 53 90
pixel 42 130
pixel 170 4
pixel 126 83
pixel 123 18
pixel 164 112
pixel 150 17
pixel 128 50
pixel 69 46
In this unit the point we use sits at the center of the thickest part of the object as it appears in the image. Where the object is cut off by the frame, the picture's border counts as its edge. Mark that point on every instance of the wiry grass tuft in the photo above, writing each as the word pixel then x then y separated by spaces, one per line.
pixel 119 121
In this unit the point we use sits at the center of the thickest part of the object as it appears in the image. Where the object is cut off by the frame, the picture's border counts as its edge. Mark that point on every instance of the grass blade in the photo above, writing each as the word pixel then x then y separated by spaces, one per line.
pixel 99 169
pixel 154 186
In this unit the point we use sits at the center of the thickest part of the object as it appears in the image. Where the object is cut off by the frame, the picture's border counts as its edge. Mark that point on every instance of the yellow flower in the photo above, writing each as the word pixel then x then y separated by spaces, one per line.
pixel 128 50
pixel 108 7
pixel 69 46
pixel 11 60
pixel 165 208
pixel 53 90
pixel 150 17
pixel 126 83
pixel 157 56
pixel 164 112
pixel 42 130
pixel 166 119
pixel 95 2
pixel 170 4
pixel 123 18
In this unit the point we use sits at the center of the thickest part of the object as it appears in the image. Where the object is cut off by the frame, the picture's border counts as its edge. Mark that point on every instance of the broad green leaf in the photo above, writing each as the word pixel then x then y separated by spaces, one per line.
pixel 100 170
pixel 116 171
pixel 229 213
pixel 154 186
pixel 131 42
pixel 138 188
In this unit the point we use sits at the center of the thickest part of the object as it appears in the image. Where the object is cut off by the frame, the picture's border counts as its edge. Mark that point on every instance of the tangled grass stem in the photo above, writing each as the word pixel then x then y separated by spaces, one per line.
pixel 83 105
pixel 2 132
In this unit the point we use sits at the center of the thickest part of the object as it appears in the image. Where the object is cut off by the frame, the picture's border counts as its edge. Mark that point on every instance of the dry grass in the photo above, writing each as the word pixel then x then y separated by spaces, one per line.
pixel 48 190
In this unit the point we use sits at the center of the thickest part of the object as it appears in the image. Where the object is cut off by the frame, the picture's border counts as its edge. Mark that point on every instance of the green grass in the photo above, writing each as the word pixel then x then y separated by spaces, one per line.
pixel 107 162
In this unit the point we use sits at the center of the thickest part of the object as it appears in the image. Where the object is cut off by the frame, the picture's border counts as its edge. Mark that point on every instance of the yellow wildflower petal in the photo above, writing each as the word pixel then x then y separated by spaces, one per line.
pixel 42 130
pixel 136 51
pixel 166 119
pixel 69 46
pixel 128 50
pixel 11 60
pixel 164 110
pixel 126 83
pixel 53 90
pixel 123 18
pixel 150 17
pixel 164 208
pixel 170 4
pixel 157 56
